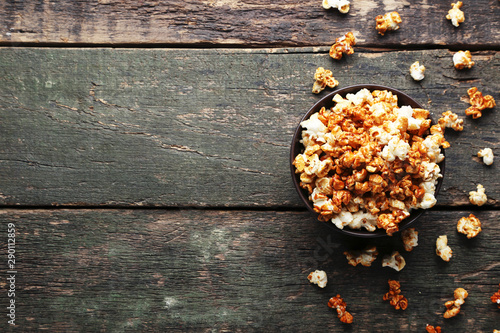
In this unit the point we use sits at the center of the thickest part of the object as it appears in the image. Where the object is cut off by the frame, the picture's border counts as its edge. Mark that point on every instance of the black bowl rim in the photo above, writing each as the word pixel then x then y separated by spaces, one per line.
pixel 326 100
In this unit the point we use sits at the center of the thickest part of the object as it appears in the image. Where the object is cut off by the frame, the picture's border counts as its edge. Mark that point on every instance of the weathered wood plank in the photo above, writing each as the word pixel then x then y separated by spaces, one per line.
pixel 251 22
pixel 199 271
pixel 169 127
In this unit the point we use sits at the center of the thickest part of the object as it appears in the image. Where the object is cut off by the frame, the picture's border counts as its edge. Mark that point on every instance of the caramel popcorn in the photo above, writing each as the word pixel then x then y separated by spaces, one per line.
pixel 496 297
pixel 478 103
pixel 394 261
pixel 487 155
pixel 342 45
pixel 338 303
pixel 323 78
pixel 442 248
pixel 387 22
pixel 470 226
pixel 463 59
pixel 394 296
pixel 432 329
pixel 453 307
pixel 478 197
pixel 417 71
pixel 364 257
pixel 318 277
pixel 455 15
pixel 451 120
pixel 366 163
pixel 410 238
pixel 342 5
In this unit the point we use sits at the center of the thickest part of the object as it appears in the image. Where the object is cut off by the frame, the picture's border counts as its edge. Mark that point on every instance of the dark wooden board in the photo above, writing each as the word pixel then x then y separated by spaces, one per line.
pixel 247 23
pixel 167 127
pixel 238 271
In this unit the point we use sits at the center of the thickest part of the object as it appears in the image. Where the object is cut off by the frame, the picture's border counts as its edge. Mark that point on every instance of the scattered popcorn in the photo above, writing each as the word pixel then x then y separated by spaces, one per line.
pixel 387 22
pixel 470 226
pixel 342 45
pixel 410 238
pixel 338 303
pixel 431 329
pixel 394 296
pixel 367 162
pixel 487 155
pixel 417 71
pixel 450 119
pixel 323 78
pixel 394 261
pixel 364 257
pixel 453 307
pixel 442 248
pixel 341 5
pixel 496 297
pixel 318 277
pixel 478 103
pixel 455 15
pixel 463 59
pixel 478 197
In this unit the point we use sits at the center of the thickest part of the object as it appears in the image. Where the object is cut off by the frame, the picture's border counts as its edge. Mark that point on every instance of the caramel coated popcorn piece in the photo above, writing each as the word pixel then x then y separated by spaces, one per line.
pixel 487 155
pixel 455 15
pixel 451 120
pixel 442 248
pixel 478 197
pixel 410 238
pixel 432 329
pixel 495 298
pixel 338 303
pixel 323 78
pixel 364 257
pixel 453 307
pixel 387 22
pixel 342 45
pixel 417 71
pixel 342 5
pixel 478 103
pixel 463 59
pixel 394 261
pixel 394 296
pixel 470 226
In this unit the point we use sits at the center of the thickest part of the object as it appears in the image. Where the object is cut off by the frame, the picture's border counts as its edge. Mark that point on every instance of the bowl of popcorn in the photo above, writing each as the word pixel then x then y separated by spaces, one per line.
pixel 367 160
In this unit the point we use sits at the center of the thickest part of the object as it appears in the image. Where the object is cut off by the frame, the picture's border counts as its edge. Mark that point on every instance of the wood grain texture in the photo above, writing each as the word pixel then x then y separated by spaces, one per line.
pixel 247 23
pixel 166 127
pixel 238 271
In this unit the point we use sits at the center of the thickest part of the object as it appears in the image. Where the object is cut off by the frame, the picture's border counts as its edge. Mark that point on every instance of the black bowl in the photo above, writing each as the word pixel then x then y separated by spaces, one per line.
pixel 297 147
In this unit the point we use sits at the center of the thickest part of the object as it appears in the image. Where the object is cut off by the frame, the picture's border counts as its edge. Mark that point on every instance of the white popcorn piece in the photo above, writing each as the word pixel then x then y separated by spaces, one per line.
pixel 394 261
pixel 463 59
pixel 442 248
pixel 395 148
pixel 361 97
pixel 318 277
pixel 417 71
pixel 428 201
pixel 478 197
pixel 314 128
pixel 410 238
pixel 356 220
pixel 455 15
pixel 487 155
pixel 342 5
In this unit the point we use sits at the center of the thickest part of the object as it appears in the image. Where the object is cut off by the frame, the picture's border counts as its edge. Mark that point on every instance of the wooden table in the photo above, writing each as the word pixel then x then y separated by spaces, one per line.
pixel 144 166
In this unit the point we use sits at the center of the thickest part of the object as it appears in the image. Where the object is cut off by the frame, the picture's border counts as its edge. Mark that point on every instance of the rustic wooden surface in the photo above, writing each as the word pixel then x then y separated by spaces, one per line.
pixel 247 22
pixel 216 270
pixel 202 127
pixel 144 153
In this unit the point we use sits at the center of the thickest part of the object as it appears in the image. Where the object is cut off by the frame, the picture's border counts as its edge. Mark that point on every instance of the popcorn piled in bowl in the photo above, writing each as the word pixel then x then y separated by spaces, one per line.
pixel 368 159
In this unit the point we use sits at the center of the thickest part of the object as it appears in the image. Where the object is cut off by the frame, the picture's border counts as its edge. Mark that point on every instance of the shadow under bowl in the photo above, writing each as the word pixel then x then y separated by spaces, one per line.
pixel 297 148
